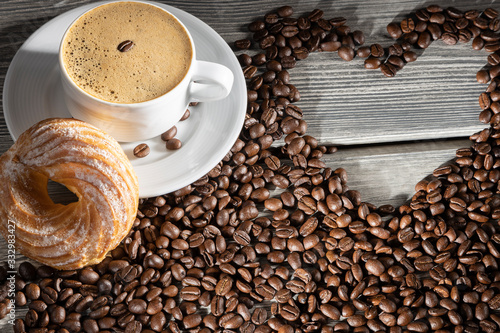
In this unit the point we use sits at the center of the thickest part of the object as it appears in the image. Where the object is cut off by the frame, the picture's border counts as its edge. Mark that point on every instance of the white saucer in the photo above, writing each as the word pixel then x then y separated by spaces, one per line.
pixel 33 92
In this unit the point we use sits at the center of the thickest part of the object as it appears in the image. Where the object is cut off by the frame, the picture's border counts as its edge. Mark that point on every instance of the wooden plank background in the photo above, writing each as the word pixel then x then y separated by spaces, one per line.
pixel 391 132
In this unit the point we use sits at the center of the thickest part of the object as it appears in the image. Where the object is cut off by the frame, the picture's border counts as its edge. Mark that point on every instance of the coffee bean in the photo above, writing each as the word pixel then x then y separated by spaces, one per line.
pixel 32 291
pixel 372 63
pixel 242 44
pixel 133 327
pixel 191 321
pixel 173 144
pixel 407 25
pixel 424 40
pixel 169 134
pixel 330 311
pixel 49 295
pixel 27 271
pixel 324 46
pixel 394 30
pixel 72 325
pixel 224 286
pixel 289 313
pixel 137 306
pixel 363 51
pixel 377 51
pixel 388 69
pixel 375 267
pixel 125 46
pixel 284 11
pixel 346 53
pixel 410 56
pixel 141 150
pixel 449 38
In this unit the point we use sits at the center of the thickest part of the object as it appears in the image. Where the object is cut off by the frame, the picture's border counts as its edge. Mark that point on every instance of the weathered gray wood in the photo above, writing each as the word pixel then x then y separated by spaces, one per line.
pixel 432 98
pixel 387 174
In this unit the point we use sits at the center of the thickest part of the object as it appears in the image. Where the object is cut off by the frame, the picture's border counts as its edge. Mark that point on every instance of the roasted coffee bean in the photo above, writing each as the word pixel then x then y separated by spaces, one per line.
pixel 32 291
pixel 191 321
pixel 72 325
pixel 394 30
pixel 407 25
pixel 244 60
pixel 372 63
pixel 284 11
pixel 449 38
pixel 410 56
pixel 375 267
pixel 424 40
pixel 242 44
pixel 133 327
pixel 141 150
pixel 346 53
pixel 330 311
pixel 49 295
pixel 27 271
pixel 289 313
pixel 377 51
pixel 125 46
pixel 398 62
pixel 169 134
pixel 224 286
pixel 173 144
pixel 137 306
pixel 363 51
pixel 388 69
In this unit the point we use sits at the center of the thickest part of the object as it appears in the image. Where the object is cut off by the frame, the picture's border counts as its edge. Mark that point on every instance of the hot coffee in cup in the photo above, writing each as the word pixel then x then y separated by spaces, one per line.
pixel 130 68
pixel 127 52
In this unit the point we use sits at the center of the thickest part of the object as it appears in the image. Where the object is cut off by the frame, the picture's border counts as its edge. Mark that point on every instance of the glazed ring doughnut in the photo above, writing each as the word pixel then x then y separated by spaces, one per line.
pixel 91 164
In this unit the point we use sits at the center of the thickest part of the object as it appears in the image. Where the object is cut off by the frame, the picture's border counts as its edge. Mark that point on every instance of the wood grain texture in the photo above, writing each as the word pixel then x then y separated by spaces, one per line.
pixel 344 104
pixel 435 97
pixel 387 174
pixel 363 106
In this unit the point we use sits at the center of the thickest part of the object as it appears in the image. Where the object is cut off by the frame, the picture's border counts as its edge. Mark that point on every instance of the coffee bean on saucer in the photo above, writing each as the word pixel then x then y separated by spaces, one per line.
pixel 125 46
pixel 169 134
pixel 174 144
pixel 141 150
pixel 186 115
pixel 193 103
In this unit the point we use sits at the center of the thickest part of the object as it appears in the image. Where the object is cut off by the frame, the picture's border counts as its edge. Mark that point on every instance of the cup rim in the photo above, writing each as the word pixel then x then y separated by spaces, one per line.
pixel 138 104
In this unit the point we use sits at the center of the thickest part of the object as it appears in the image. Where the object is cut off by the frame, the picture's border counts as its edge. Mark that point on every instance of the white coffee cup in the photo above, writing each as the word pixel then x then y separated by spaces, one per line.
pixel 129 122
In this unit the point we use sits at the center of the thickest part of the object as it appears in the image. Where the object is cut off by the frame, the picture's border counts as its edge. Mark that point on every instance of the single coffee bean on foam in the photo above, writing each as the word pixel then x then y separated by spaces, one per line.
pixel 127 52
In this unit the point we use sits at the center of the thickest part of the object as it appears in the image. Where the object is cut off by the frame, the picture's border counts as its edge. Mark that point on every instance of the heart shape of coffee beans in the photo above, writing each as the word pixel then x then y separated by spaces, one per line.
pixel 228 253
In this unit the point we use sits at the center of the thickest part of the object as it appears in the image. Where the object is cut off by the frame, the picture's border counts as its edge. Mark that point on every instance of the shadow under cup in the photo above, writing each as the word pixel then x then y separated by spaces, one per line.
pixel 131 121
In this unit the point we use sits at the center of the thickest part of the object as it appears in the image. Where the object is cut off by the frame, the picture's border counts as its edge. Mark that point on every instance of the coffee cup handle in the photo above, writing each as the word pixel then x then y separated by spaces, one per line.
pixel 210 82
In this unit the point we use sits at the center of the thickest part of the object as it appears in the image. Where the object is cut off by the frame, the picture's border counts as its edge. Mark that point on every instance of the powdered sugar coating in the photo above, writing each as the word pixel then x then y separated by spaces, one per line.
pixel 88 162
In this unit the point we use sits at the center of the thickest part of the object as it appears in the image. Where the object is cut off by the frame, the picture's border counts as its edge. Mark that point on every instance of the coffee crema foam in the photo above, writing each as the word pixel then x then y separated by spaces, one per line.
pixel 158 61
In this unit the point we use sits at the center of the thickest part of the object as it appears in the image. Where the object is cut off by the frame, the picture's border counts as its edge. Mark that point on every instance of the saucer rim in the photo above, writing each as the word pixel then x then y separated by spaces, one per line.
pixel 238 93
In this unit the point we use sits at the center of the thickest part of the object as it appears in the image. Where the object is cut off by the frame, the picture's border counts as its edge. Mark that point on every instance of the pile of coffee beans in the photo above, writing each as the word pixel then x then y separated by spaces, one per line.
pixel 273 240
pixel 450 25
